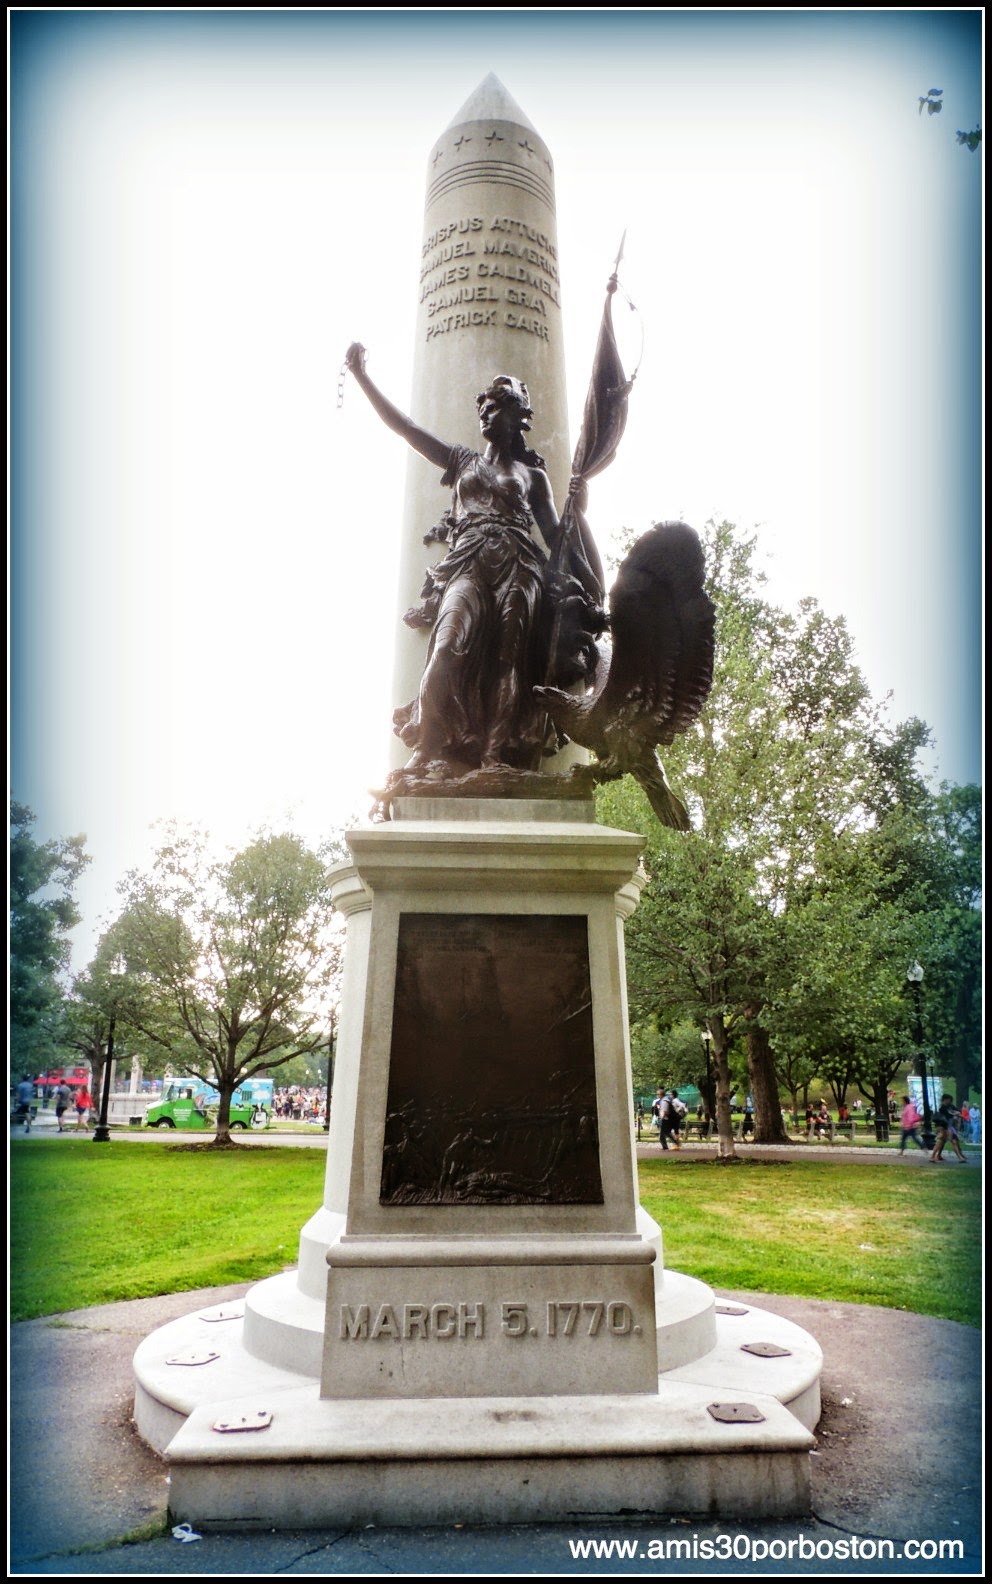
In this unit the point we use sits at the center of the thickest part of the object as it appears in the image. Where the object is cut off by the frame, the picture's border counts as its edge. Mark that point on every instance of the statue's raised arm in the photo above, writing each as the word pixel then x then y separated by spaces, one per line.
pixel 428 445
pixel 486 601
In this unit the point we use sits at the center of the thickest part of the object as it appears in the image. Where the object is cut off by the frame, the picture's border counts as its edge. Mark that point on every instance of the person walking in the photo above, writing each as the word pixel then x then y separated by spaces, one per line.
pixel 660 1111
pixel 945 1121
pixel 63 1100
pixel 676 1113
pixel 909 1121
pixel 25 1099
pixel 84 1105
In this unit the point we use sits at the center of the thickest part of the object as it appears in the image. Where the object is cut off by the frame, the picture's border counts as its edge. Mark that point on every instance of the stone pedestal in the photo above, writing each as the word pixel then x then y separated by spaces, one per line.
pixel 481 1311
pixel 491 1243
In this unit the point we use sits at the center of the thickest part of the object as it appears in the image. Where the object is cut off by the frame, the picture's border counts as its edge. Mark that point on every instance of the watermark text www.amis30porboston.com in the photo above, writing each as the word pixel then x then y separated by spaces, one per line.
pixel 739 1547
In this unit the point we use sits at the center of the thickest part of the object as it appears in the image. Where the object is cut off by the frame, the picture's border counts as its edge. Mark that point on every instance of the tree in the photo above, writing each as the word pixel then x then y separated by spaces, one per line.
pixel 838 1015
pixel 819 866
pixel 99 994
pixel 938 848
pixel 231 963
pixel 926 848
pixel 43 877
pixel 669 1054
pixel 87 1024
pixel 954 944
pixel 769 774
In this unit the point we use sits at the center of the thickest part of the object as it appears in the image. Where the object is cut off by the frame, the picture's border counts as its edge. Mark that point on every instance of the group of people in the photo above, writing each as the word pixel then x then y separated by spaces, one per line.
pixel 300 1105
pixel 818 1123
pixel 951 1123
pixel 80 1102
pixel 948 1122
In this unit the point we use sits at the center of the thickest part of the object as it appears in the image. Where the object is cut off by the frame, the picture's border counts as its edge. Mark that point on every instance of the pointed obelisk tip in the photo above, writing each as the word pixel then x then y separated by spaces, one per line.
pixel 491 102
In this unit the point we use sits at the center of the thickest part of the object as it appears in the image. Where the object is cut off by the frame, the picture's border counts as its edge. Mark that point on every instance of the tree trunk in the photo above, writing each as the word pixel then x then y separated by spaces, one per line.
pixel 724 1121
pixel 769 1124
pixel 880 1104
pixel 224 1091
pixel 97 1063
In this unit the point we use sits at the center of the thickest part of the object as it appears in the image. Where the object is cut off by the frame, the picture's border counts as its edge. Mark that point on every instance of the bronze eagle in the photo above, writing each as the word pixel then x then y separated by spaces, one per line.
pixel 653 673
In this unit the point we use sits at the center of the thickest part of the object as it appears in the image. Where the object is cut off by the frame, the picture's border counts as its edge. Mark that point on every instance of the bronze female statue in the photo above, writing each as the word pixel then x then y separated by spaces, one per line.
pixel 487 600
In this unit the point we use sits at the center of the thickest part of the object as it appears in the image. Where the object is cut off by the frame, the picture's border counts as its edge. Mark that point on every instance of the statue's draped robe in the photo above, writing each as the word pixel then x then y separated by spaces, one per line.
pixel 488 645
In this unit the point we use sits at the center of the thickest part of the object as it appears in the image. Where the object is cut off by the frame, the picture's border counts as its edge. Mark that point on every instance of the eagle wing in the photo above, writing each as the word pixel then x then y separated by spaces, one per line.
pixel 662 622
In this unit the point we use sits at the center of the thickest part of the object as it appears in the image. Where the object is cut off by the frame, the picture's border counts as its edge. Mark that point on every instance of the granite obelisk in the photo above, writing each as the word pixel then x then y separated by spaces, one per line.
pixel 489 303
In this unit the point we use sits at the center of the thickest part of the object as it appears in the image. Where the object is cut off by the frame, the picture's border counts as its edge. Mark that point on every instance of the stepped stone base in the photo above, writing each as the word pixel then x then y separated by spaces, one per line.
pixel 524 1459
pixel 326 1461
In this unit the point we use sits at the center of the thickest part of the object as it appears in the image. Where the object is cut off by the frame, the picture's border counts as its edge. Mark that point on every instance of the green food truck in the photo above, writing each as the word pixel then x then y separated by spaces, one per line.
pixel 189 1103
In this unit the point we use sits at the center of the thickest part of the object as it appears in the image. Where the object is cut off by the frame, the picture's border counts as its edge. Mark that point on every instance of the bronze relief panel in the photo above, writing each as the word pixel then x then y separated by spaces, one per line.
pixel 492 1083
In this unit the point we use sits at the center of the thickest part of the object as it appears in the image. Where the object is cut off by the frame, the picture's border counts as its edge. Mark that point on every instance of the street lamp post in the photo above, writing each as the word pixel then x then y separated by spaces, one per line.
pixel 101 1133
pixel 914 978
pixel 707 1040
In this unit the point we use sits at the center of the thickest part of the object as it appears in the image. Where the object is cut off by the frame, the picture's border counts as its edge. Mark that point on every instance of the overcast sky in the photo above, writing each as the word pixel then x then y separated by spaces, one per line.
pixel 208 207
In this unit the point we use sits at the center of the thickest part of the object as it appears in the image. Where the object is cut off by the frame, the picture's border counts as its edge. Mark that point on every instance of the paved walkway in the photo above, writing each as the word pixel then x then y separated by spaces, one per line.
pixel 864 1154
pixel 647 1149
pixel 898 1459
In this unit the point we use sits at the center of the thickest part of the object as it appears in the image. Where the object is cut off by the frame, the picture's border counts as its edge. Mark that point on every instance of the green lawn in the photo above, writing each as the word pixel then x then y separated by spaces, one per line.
pixel 91 1226
pixel 905 1237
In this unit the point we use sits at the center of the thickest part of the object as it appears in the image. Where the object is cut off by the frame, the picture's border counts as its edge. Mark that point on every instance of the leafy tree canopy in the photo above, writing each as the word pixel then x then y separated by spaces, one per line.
pixel 43 911
pixel 232 964
pixel 819 866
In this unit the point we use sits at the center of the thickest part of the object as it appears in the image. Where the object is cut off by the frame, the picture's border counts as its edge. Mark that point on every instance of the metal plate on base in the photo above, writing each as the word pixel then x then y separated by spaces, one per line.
pixel 256 1421
pixel 736 1413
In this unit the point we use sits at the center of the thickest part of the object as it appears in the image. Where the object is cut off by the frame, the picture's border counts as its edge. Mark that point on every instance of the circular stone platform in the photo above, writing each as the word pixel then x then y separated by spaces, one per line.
pixel 251 1442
